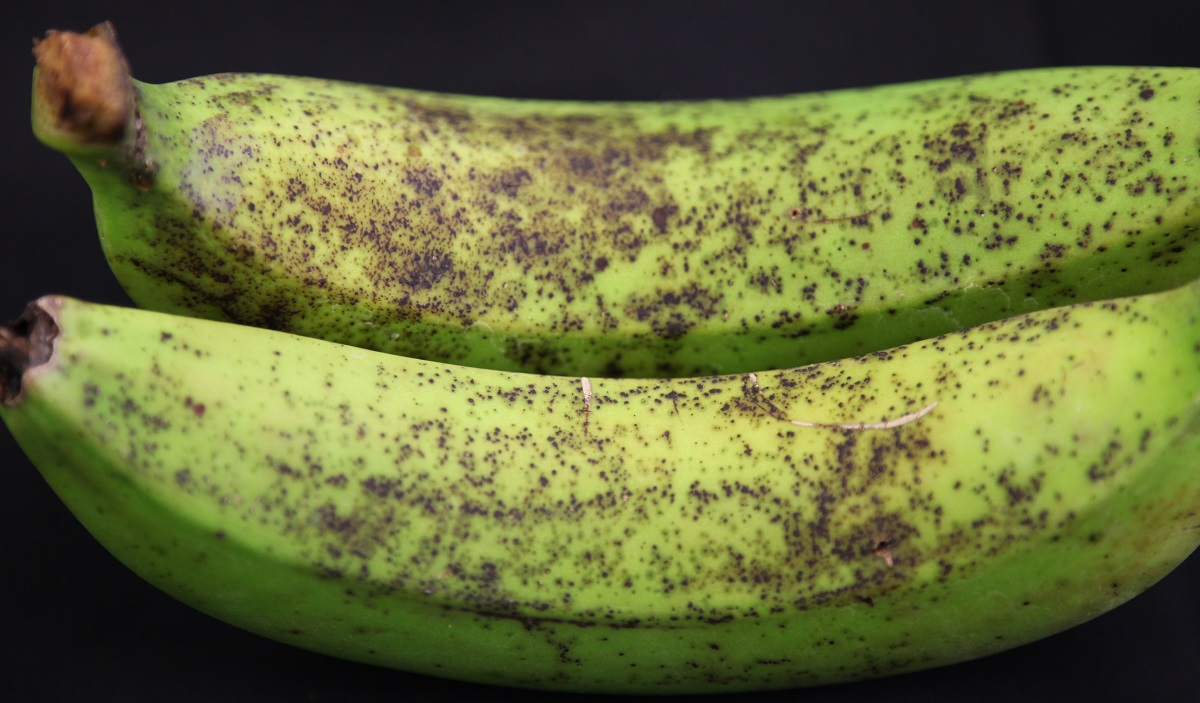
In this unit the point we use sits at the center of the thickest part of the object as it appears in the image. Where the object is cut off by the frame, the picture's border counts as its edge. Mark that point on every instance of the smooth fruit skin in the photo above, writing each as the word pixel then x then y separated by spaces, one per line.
pixel 640 239
pixel 627 535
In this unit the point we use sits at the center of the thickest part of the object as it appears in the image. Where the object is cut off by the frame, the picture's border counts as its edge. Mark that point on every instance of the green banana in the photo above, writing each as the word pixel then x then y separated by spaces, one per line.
pixel 855 518
pixel 638 239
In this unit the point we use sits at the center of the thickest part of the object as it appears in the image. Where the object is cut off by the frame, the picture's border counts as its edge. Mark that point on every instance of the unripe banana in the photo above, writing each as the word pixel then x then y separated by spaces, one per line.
pixel 856 518
pixel 640 239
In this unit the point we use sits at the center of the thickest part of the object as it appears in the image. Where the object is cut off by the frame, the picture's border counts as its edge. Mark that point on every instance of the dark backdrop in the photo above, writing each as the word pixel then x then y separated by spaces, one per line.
pixel 75 625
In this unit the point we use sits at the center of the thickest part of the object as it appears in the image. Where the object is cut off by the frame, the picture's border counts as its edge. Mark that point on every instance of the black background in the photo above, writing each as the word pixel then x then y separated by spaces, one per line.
pixel 75 625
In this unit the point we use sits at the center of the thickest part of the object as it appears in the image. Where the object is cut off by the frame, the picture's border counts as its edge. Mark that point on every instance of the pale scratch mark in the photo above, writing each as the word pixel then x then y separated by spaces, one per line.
pixel 586 386
pixel 883 550
pixel 798 213
pixel 882 425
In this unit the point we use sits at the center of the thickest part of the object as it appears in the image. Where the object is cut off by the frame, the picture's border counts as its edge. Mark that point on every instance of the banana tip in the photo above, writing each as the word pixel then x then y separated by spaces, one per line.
pixel 26 343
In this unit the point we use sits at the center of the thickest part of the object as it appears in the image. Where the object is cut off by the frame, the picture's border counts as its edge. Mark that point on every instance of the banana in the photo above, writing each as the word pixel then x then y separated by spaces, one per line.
pixel 636 239
pixel 855 518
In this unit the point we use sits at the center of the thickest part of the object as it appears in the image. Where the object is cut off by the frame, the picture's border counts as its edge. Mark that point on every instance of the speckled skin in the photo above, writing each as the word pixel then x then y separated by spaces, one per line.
pixel 627 535
pixel 664 239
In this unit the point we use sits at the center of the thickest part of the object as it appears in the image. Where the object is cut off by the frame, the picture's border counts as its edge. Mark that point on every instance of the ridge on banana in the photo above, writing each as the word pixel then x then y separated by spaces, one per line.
pixel 629 239
pixel 896 511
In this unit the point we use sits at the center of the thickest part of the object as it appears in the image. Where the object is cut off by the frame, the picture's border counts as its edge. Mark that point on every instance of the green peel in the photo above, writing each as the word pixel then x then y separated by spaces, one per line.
pixel 647 239
pixel 852 519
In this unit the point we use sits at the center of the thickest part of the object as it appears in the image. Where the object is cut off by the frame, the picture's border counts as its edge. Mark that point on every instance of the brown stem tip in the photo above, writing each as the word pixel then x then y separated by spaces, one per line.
pixel 25 343
pixel 83 84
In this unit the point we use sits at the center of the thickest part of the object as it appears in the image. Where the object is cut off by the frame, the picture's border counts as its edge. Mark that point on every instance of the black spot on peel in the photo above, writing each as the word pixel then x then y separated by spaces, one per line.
pixel 426 270
pixel 509 181
pixel 670 311
pixel 198 409
pixel 662 215
pixel 423 181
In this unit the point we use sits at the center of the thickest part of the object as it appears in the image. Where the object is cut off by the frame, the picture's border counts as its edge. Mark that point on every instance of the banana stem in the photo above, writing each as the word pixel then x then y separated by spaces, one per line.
pixel 25 343
pixel 85 101
pixel 83 88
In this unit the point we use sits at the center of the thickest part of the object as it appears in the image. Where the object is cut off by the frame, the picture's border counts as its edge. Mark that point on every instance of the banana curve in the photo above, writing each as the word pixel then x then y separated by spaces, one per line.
pixel 633 535
pixel 668 239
